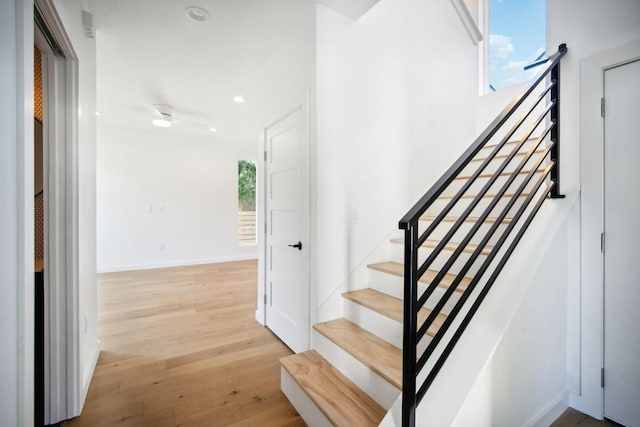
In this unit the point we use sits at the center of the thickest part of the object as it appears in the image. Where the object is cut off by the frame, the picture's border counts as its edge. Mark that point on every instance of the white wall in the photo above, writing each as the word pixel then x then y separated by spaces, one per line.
pixel 164 200
pixel 70 12
pixel 589 28
pixel 395 91
pixel 524 377
pixel 16 213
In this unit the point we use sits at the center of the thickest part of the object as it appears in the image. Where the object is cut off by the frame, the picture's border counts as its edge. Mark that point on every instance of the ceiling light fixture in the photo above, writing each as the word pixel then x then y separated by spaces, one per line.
pixel 213 130
pixel 163 123
pixel 239 99
pixel 164 112
pixel 198 14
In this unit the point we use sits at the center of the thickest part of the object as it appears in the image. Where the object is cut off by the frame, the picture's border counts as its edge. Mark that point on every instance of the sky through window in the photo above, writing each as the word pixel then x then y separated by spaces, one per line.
pixel 517 37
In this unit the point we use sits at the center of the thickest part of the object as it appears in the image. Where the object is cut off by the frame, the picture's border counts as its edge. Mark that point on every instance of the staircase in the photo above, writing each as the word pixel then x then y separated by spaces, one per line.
pixel 417 304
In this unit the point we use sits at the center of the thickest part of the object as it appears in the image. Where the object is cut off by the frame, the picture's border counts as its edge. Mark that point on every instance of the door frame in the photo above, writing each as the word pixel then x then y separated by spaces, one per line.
pixel 591 397
pixel 304 107
pixel 64 393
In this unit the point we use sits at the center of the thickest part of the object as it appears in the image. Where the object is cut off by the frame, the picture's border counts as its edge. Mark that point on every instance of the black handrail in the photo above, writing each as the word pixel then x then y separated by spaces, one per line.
pixel 547 185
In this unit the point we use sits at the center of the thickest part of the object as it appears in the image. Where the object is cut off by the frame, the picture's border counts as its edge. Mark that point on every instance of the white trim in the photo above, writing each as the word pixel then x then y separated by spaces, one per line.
pixel 591 398
pixel 63 379
pixel 24 208
pixel 551 412
pixel 467 20
pixel 483 48
pixel 94 363
pixel 175 263
pixel 261 312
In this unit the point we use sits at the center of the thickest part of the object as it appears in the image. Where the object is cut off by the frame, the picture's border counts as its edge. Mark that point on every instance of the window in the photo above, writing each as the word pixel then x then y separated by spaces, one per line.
pixel 246 202
pixel 516 40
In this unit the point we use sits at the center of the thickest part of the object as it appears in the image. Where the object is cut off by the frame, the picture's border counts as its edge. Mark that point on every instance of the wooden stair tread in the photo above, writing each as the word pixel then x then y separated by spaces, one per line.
pixel 486 196
pixel 377 354
pixel 391 307
pixel 397 269
pixel 504 156
pixel 339 399
pixel 489 175
pixel 450 246
pixel 473 219
pixel 517 141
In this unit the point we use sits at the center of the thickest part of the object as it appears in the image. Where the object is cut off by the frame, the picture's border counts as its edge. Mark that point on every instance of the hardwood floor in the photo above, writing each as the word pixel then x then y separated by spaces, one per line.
pixel 571 418
pixel 181 347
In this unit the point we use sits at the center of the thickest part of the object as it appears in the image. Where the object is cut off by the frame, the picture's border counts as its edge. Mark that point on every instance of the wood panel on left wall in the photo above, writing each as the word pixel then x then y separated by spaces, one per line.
pixel 181 347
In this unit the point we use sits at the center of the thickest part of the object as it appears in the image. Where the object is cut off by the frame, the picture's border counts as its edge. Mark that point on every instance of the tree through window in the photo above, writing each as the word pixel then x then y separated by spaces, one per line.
pixel 246 202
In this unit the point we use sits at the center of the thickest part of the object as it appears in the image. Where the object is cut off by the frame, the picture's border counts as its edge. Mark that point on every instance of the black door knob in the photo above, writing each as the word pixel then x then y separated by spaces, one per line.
pixel 297 245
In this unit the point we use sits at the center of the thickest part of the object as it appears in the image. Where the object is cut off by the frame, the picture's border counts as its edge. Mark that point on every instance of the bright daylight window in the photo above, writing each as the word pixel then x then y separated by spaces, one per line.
pixel 516 39
pixel 246 202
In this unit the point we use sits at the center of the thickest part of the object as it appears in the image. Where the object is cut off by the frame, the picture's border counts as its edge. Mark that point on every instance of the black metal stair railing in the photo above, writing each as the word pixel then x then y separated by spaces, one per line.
pixel 512 209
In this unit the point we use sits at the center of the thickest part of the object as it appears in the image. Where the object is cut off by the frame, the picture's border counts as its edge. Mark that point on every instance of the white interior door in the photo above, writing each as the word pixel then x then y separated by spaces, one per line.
pixel 622 253
pixel 287 254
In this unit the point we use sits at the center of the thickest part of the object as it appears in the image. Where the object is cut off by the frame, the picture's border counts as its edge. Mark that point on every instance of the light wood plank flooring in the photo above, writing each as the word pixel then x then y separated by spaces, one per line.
pixel 181 347
pixel 571 418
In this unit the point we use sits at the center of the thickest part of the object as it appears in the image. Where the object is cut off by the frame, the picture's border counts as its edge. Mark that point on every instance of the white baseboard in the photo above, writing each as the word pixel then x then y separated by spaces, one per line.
pixel 550 412
pixel 87 384
pixel 178 263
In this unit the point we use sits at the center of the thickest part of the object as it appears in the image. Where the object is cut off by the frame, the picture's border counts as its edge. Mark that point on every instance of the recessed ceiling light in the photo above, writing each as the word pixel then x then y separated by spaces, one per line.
pixel 239 99
pixel 97 113
pixel 198 14
pixel 213 130
pixel 163 123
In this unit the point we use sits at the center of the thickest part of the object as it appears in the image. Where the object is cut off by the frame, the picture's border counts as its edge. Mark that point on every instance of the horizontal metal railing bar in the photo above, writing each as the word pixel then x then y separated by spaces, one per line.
pixel 419 208
pixel 443 300
pixel 454 228
pixel 461 192
pixel 474 308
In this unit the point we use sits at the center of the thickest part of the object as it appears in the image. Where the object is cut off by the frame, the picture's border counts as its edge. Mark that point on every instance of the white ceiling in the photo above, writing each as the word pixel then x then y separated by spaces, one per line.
pixel 149 51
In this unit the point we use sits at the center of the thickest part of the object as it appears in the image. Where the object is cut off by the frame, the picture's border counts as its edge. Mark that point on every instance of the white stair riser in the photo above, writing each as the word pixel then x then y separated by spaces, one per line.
pixel 478 210
pixel 374 322
pixel 393 285
pixel 397 255
pixel 378 324
pixel 368 381
pixel 443 228
pixel 301 401
pixel 508 147
pixel 496 186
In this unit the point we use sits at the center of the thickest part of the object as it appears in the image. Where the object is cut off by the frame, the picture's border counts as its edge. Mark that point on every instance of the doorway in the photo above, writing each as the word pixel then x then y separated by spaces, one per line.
pixel 621 376
pixel 286 235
